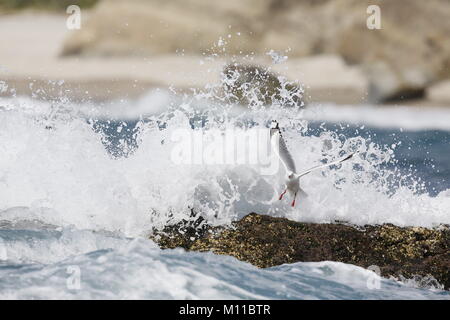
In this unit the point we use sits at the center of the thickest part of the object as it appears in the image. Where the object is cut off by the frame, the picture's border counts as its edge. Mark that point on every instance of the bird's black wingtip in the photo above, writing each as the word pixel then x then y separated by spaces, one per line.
pixel 274 124
pixel 349 156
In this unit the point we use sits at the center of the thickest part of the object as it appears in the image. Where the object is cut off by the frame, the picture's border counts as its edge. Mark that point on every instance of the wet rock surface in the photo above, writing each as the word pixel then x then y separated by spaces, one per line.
pixel 266 241
pixel 254 86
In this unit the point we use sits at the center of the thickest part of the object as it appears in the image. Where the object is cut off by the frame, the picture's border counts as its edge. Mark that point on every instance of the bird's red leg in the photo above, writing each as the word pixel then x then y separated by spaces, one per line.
pixel 281 195
pixel 293 201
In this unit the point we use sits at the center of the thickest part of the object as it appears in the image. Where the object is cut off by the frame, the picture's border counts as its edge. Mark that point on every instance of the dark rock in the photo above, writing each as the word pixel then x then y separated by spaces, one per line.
pixel 256 86
pixel 266 241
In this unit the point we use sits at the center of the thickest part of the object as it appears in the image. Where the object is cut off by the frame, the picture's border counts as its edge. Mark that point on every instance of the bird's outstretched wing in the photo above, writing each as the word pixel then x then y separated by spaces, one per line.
pixel 280 148
pixel 324 165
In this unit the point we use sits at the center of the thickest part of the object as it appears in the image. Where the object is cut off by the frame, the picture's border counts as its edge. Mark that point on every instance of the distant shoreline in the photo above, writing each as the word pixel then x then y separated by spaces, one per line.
pixel 32 61
pixel 104 90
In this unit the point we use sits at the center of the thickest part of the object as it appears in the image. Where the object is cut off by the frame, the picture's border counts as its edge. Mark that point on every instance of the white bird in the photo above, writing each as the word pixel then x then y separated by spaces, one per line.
pixel 292 177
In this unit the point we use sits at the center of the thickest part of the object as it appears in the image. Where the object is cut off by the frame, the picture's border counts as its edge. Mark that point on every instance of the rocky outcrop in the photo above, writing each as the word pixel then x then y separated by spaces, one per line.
pixel 409 52
pixel 256 86
pixel 266 241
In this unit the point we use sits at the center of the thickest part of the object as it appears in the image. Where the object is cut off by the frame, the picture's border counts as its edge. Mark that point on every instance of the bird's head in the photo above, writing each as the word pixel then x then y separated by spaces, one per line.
pixel 274 128
pixel 274 125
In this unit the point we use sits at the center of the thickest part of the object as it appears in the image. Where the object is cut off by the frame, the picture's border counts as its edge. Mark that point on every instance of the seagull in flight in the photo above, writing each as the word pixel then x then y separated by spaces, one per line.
pixel 292 178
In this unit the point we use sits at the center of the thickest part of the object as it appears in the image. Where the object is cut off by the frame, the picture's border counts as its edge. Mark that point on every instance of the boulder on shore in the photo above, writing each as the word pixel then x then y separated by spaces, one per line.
pixel 256 86
pixel 266 241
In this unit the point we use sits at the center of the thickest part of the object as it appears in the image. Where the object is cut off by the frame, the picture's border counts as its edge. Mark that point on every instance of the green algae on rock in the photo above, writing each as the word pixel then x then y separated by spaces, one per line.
pixel 265 241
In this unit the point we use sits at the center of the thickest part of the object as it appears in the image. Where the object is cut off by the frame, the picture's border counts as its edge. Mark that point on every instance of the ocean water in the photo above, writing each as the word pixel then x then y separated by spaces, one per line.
pixel 82 185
